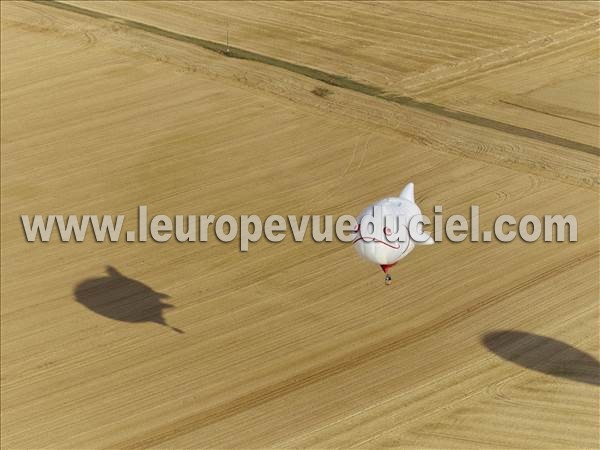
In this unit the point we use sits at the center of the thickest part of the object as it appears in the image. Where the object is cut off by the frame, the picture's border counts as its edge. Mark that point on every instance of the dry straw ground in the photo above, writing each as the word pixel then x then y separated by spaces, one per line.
pixel 299 345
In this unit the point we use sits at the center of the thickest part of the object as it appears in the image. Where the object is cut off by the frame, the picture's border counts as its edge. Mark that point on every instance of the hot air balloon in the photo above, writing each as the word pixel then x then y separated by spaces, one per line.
pixel 382 233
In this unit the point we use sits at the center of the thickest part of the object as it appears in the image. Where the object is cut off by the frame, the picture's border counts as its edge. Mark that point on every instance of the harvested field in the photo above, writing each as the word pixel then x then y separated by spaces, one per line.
pixel 315 108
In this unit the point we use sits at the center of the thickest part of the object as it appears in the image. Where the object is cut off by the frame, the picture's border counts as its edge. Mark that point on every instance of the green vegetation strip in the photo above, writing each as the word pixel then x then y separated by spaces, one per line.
pixel 334 80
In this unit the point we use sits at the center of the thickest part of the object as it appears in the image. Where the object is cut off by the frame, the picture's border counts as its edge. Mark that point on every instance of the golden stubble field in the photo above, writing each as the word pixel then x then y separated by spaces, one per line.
pixel 299 344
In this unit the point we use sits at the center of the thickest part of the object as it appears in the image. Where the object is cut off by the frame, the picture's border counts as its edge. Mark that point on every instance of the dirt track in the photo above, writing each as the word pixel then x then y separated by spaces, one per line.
pixel 299 345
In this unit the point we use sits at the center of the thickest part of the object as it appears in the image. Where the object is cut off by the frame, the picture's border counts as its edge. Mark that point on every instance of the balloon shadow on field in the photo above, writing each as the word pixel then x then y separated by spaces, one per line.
pixel 120 298
pixel 544 354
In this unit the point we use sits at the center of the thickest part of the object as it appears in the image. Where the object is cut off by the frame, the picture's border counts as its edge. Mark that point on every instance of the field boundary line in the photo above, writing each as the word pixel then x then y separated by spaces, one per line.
pixel 334 80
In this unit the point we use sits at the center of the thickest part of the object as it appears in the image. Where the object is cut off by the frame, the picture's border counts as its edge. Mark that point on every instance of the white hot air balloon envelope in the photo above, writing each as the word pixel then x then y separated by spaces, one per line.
pixel 382 235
